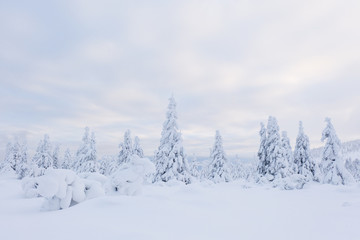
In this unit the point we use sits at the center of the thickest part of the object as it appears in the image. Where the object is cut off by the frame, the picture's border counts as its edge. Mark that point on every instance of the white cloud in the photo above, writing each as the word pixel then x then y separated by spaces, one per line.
pixel 112 66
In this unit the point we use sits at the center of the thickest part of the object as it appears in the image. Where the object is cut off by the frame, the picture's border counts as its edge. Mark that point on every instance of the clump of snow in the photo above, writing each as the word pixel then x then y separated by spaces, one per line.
pixel 94 176
pixel 295 181
pixel 61 188
pixel 129 178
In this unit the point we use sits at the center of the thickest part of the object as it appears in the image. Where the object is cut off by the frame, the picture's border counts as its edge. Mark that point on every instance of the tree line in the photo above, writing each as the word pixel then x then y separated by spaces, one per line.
pixel 277 162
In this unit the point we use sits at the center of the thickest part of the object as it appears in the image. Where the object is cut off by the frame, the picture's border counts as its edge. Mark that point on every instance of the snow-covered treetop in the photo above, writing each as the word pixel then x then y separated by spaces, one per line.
pixel 127 140
pixel 284 135
pixel 86 135
pixel 273 128
pixel 329 132
pixel 301 128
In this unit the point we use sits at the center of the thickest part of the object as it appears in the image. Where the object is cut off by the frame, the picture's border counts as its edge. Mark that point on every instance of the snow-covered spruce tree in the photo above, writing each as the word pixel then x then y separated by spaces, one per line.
pixel 194 167
pixel 137 147
pixel 288 154
pixel 68 160
pixel 218 170
pixel 302 158
pixel 86 154
pixel 55 156
pixel 276 163
pixel 332 166
pixel 170 157
pixel 8 164
pixel 108 165
pixel 126 149
pixel 262 166
pixel 24 168
pixel 245 170
pixel 43 157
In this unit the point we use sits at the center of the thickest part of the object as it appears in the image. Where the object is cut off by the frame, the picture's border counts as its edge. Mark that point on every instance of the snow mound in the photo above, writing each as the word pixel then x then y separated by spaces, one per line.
pixel 295 181
pixel 129 178
pixel 62 188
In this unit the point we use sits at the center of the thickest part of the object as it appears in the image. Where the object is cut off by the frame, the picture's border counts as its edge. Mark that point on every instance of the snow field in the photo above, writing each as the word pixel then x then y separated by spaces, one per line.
pixel 196 211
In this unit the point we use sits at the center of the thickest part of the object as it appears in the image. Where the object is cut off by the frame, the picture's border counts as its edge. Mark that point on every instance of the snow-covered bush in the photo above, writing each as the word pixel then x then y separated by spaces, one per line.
pixel 195 167
pixel 244 170
pixel 294 181
pixel 129 177
pixel 62 188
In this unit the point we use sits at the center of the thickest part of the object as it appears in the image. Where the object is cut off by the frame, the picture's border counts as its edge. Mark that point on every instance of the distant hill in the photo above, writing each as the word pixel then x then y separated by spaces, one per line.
pixel 350 150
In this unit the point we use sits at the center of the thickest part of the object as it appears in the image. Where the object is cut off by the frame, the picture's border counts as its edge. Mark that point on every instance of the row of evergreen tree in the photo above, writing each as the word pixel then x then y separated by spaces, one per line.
pixel 276 158
pixel 85 159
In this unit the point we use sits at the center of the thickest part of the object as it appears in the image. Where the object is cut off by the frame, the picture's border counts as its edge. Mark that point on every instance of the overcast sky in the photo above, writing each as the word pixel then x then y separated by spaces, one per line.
pixel 112 65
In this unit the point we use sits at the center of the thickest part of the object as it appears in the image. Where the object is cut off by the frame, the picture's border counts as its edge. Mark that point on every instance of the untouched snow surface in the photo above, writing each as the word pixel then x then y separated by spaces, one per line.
pixel 196 211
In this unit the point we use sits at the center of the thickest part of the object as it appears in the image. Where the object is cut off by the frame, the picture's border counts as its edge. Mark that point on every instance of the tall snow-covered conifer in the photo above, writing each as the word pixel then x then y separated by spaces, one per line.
pixel 55 156
pixel 195 168
pixel 43 157
pixel 8 164
pixel 262 166
pixel 68 160
pixel 285 144
pixel 276 163
pixel 332 166
pixel 302 158
pixel 108 165
pixel 86 154
pixel 24 169
pixel 170 157
pixel 126 149
pixel 218 170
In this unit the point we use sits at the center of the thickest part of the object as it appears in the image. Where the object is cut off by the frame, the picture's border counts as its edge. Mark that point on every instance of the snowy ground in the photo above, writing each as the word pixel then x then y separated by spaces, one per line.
pixel 198 211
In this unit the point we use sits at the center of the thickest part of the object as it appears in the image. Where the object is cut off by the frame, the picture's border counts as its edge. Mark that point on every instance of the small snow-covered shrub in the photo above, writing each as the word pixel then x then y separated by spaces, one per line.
pixel 295 181
pixel 129 178
pixel 62 188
